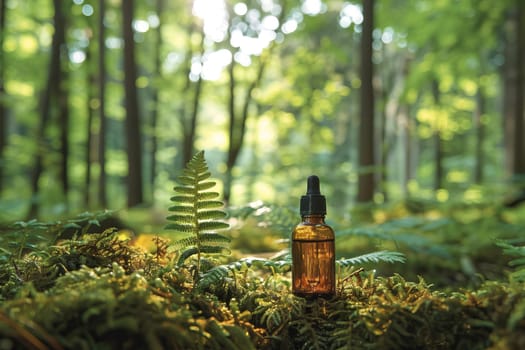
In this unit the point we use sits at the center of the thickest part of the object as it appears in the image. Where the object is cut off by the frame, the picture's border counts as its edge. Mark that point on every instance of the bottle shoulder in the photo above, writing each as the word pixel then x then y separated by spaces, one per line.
pixel 313 231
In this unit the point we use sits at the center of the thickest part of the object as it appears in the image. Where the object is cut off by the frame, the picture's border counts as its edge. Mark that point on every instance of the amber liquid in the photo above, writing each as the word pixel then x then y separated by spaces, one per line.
pixel 313 260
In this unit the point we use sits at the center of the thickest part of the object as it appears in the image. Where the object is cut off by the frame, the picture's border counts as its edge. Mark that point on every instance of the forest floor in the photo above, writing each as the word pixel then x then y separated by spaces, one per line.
pixel 461 287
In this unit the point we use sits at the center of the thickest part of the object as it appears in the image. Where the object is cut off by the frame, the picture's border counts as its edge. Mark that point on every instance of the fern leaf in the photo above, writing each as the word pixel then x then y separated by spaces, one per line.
pixel 207 195
pixel 205 185
pixel 186 253
pixel 209 204
pixel 203 176
pixel 181 209
pixel 213 276
pixel 186 180
pixel 211 214
pixel 184 189
pixel 205 239
pixel 213 239
pixel 182 199
pixel 207 226
pixel 182 219
pixel 180 227
pixel 384 256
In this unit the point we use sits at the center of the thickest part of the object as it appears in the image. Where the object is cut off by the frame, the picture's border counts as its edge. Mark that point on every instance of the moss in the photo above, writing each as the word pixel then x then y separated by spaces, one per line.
pixel 101 292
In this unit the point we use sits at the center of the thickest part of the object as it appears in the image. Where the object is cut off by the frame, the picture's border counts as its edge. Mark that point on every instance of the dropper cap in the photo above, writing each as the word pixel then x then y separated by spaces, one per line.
pixel 313 202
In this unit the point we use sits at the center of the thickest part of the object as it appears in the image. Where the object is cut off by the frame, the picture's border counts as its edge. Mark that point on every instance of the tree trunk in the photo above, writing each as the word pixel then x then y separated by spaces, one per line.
pixel 102 193
pixel 63 105
pixel 231 134
pixel 91 81
pixel 237 127
pixel 366 186
pixel 438 147
pixel 155 101
pixel 519 122
pixel 3 96
pixel 513 90
pixel 50 91
pixel 480 134
pixel 132 122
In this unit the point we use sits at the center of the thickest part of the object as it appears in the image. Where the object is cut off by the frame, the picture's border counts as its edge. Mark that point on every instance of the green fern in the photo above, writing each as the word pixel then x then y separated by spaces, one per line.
pixel 513 249
pixel 197 213
pixel 383 255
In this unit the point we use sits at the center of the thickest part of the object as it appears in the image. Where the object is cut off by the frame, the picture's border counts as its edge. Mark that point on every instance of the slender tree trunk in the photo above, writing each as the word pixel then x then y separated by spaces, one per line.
pixel 133 140
pixel 513 89
pixel 406 136
pixel 237 128
pixel 3 96
pixel 91 84
pixel 480 134
pixel 519 122
pixel 155 101
pixel 63 105
pixel 231 134
pixel 48 93
pixel 438 146
pixel 102 193
pixel 366 186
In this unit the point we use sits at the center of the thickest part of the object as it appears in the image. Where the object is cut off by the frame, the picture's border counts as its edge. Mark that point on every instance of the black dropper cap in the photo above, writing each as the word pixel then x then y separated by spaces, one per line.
pixel 313 202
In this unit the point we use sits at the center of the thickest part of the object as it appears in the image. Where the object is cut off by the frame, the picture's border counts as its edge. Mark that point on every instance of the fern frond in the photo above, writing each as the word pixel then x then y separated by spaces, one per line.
pixel 213 276
pixel 511 248
pixel 384 256
pixel 196 211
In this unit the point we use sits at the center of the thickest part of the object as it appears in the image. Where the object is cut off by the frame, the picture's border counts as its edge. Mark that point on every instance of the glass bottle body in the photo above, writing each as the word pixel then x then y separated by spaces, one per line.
pixel 313 258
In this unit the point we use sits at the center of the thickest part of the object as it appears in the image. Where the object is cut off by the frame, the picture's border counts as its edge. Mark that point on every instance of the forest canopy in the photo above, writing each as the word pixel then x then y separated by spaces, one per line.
pixel 102 101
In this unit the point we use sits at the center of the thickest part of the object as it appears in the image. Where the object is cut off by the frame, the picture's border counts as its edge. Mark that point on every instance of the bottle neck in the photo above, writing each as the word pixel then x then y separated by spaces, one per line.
pixel 313 218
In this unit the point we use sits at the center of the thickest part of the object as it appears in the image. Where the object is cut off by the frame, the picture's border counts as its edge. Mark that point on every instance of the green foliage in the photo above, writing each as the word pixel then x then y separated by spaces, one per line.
pixel 407 232
pixel 25 236
pixel 380 256
pixel 195 213
pixel 515 248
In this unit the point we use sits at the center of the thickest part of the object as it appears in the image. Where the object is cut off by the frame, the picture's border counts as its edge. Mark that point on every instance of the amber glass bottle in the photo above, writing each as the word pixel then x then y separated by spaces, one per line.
pixel 313 247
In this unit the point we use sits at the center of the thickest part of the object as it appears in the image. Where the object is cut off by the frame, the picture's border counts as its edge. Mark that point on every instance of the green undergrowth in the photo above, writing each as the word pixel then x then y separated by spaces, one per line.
pixel 428 280
pixel 103 293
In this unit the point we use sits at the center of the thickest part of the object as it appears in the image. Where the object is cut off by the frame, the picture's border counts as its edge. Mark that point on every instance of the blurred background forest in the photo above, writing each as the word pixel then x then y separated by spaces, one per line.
pixel 103 102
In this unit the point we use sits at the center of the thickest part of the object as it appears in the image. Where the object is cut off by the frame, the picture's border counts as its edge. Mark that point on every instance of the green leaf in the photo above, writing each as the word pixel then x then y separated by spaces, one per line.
pixel 180 227
pixel 205 185
pixel 384 255
pixel 211 214
pixel 203 239
pixel 181 219
pixel 212 226
pixel 207 195
pixel 184 189
pixel 213 238
pixel 203 176
pixel 209 204
pixel 181 209
pixel 186 180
